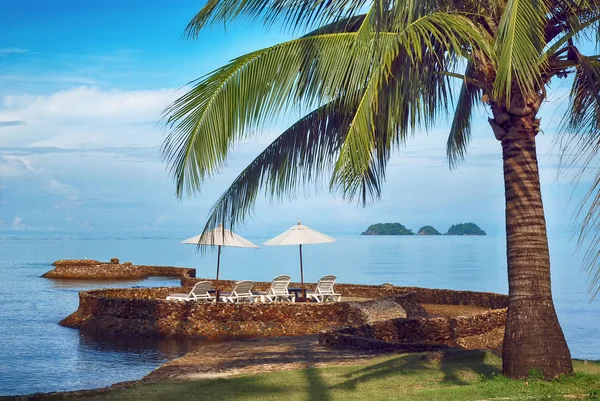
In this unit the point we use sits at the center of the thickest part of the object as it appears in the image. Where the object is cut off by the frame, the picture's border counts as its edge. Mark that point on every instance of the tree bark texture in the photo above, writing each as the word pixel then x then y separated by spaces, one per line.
pixel 533 337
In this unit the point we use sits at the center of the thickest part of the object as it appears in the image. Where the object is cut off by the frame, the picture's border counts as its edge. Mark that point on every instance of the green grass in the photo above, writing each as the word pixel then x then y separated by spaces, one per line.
pixel 462 375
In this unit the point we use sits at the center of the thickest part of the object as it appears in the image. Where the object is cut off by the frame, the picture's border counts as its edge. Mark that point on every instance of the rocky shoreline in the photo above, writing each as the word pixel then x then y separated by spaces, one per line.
pixel 354 331
pixel 87 269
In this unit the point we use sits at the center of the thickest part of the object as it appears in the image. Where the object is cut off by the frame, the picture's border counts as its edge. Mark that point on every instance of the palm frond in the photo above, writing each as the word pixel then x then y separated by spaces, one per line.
pixel 581 145
pixel 519 46
pixel 577 26
pixel 420 95
pixel 253 89
pixel 351 24
pixel 301 154
pixel 460 131
pixel 293 14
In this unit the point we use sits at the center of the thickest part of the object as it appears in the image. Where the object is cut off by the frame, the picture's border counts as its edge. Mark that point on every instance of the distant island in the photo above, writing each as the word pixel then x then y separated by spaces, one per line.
pixel 465 229
pixel 387 229
pixel 399 229
pixel 428 230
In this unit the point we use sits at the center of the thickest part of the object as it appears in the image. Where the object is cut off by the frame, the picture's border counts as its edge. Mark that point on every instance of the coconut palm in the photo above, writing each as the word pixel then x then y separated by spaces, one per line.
pixel 369 75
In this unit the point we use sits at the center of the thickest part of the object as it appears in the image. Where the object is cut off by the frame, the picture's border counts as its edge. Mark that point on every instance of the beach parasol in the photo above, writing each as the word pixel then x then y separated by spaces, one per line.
pixel 300 235
pixel 219 237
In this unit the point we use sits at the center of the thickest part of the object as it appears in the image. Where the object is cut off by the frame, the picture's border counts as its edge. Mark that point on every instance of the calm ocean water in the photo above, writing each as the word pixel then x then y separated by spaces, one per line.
pixel 36 354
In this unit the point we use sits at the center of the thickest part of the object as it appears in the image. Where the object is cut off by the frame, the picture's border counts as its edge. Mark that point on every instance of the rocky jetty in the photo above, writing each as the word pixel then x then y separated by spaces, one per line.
pixel 86 269
pixel 145 311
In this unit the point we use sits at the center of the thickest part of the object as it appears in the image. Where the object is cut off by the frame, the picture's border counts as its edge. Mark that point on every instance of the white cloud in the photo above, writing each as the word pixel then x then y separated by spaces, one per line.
pixel 159 221
pixel 15 166
pixel 85 116
pixel 90 102
pixel 68 196
pixel 85 224
pixel 56 187
pixel 17 224
pixel 100 176
pixel 12 50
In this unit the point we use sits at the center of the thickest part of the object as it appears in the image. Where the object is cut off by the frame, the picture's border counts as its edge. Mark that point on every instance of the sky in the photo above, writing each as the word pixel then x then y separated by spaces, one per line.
pixel 83 85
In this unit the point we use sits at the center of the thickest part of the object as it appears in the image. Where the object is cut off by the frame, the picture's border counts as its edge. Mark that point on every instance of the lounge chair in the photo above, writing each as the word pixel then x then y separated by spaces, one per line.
pixel 324 291
pixel 279 290
pixel 240 293
pixel 198 293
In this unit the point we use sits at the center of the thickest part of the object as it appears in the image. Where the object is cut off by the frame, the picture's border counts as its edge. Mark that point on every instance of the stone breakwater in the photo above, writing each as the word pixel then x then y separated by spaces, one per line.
pixel 145 312
pixel 113 270
pixel 390 317
pixel 482 330
pixel 422 295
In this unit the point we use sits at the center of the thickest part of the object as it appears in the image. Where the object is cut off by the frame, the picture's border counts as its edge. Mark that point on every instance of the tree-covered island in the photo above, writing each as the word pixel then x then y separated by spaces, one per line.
pixel 387 229
pixel 465 229
pixel 399 229
pixel 428 230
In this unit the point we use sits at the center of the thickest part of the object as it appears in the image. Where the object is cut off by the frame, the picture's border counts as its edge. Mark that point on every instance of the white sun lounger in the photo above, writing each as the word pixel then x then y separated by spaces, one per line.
pixel 279 290
pixel 198 293
pixel 324 291
pixel 240 293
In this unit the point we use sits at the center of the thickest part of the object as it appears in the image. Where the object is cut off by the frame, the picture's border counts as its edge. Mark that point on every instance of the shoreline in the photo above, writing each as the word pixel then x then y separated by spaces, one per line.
pixel 114 270
pixel 176 369
pixel 193 366
pixel 136 300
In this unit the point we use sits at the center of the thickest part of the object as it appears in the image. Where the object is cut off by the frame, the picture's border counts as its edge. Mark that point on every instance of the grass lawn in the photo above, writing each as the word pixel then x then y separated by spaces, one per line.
pixel 456 375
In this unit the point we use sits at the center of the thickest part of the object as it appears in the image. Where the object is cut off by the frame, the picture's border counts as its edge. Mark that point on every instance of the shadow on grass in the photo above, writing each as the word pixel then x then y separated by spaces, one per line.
pixel 454 361
pixel 231 388
pixel 406 364
pixel 317 387
pixel 451 364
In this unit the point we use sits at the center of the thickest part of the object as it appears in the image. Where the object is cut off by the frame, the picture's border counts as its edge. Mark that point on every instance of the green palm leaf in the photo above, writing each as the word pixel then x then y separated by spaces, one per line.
pixel 460 131
pixel 360 166
pixel 249 91
pixel 301 154
pixel 581 146
pixel 294 14
pixel 520 42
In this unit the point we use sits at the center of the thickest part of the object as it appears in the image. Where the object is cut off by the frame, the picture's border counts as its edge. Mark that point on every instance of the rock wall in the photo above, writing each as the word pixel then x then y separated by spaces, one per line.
pixel 423 295
pixel 483 330
pixel 145 312
pixel 95 270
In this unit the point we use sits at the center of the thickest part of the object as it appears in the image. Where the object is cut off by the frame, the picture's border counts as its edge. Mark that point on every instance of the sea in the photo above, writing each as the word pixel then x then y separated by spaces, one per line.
pixel 38 355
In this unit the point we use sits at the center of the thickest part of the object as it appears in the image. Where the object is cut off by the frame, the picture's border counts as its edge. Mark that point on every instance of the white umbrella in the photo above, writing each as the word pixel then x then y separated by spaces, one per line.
pixel 219 237
pixel 300 235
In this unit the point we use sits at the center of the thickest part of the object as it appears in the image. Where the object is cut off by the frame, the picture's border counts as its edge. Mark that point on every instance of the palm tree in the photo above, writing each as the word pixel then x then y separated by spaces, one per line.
pixel 368 76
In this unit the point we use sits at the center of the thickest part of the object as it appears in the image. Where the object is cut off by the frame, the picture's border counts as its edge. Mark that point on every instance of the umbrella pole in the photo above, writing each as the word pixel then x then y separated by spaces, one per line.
pixel 218 266
pixel 302 274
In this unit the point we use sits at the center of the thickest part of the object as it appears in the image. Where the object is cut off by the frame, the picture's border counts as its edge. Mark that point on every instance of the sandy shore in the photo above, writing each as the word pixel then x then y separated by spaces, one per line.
pixel 252 356
pixel 257 356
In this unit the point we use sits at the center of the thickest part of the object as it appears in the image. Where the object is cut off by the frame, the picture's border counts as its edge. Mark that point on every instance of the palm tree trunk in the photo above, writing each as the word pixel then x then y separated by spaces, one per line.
pixel 533 338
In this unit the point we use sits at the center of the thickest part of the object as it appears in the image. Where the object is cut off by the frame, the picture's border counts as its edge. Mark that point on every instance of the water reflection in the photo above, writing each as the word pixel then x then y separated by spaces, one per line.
pixel 136 349
pixel 85 284
pixel 61 283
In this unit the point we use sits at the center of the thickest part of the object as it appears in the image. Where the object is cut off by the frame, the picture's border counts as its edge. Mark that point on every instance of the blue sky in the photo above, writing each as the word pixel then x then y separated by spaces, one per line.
pixel 82 88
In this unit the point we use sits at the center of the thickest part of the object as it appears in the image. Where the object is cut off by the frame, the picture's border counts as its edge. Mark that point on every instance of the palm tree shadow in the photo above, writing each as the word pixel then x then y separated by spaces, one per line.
pixel 401 365
pixel 317 387
pixel 453 362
